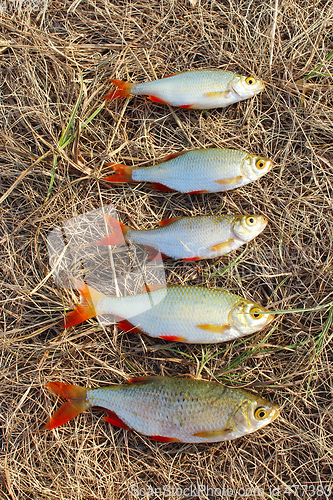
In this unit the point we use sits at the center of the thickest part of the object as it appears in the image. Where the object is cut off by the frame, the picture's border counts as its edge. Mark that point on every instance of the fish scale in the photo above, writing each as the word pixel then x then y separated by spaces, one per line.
pixel 196 237
pixel 170 409
pixel 198 170
pixel 191 86
pixel 196 89
pixel 178 311
pixel 174 409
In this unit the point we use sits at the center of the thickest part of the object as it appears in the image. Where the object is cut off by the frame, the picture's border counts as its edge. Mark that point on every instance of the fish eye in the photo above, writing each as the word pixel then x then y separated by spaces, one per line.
pixel 260 164
pixel 250 221
pixel 250 80
pixel 260 413
pixel 255 313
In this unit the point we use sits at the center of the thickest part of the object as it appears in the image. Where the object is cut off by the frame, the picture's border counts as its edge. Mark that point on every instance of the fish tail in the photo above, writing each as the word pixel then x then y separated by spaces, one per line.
pixel 86 309
pixel 76 404
pixel 123 173
pixel 119 231
pixel 124 89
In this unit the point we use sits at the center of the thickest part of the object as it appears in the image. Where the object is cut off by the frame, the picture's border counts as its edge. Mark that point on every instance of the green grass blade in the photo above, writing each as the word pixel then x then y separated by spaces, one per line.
pixel 313 72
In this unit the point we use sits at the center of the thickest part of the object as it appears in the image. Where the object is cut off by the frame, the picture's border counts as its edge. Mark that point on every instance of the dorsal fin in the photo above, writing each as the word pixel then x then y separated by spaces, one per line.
pixel 166 222
pixel 141 380
pixel 152 288
pixel 173 155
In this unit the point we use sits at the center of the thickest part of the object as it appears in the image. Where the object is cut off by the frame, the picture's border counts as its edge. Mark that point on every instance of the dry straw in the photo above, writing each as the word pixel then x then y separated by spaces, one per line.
pixel 56 136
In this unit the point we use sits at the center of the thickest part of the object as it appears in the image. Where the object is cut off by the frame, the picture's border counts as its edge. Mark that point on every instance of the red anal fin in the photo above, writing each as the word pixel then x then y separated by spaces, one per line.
pixel 160 187
pixel 113 419
pixel 153 253
pixel 157 99
pixel 190 259
pixel 167 222
pixel 186 106
pixel 172 338
pixel 198 192
pixel 128 327
pixel 164 439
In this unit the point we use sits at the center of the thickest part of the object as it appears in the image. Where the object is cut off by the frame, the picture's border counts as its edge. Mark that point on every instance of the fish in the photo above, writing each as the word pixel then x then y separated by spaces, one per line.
pixel 197 171
pixel 189 314
pixel 170 409
pixel 190 238
pixel 196 89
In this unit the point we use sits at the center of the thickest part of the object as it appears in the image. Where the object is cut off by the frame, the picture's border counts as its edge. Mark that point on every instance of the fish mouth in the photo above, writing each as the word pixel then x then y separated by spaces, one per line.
pixel 270 317
pixel 276 412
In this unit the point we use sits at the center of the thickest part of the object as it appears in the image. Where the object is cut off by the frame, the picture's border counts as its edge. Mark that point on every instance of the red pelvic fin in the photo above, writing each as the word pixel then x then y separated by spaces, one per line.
pixel 172 338
pixel 186 106
pixel 86 308
pixel 77 403
pixel 160 187
pixel 164 439
pixel 124 89
pixel 119 231
pixel 156 99
pixel 124 173
pixel 128 327
pixel 198 192
pixel 190 259
pixel 167 222
pixel 113 419
pixel 152 252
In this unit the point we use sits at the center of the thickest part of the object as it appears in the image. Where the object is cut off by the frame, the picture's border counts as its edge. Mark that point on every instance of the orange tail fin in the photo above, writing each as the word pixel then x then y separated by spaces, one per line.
pixel 86 308
pixel 124 89
pixel 118 235
pixel 124 173
pixel 77 403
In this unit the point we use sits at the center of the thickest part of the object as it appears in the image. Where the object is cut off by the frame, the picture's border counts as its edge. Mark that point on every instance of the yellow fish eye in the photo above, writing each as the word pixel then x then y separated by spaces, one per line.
pixel 250 80
pixel 260 413
pixel 260 164
pixel 250 221
pixel 256 313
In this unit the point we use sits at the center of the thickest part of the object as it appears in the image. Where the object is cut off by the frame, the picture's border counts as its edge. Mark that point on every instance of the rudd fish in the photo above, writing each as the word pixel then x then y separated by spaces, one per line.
pixel 191 238
pixel 197 89
pixel 197 171
pixel 170 409
pixel 188 314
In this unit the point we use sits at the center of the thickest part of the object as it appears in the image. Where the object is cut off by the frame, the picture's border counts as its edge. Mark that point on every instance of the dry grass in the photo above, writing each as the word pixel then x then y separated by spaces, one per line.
pixel 43 56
